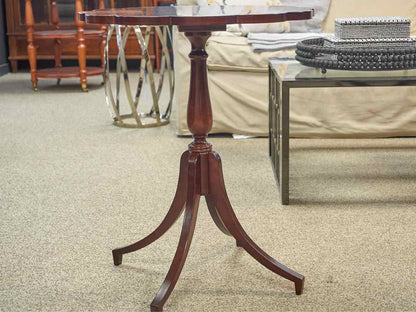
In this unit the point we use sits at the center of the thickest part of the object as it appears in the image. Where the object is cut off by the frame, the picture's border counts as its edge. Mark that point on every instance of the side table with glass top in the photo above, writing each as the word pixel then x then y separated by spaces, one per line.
pixel 288 74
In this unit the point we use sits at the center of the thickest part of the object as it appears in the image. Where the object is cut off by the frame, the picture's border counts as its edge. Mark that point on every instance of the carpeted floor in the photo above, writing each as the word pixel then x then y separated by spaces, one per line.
pixel 73 187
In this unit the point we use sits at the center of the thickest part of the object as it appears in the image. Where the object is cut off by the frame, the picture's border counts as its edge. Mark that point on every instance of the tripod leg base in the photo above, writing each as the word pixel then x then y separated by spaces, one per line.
pixel 194 170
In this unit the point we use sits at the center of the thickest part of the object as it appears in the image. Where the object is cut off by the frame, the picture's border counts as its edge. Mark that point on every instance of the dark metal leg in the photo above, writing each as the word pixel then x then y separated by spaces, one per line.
pixel 284 145
pixel 274 125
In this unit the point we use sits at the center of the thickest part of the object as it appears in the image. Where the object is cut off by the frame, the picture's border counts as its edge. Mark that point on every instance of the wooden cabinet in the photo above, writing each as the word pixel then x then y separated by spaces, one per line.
pixel 16 31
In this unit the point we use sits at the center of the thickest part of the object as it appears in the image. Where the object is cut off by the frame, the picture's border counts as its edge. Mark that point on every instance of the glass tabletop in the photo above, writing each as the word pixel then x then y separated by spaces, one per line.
pixel 292 70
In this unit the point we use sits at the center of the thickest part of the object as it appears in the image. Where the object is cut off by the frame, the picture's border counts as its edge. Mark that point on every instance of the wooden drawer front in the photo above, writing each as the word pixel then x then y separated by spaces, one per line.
pixel 45 47
pixel 69 47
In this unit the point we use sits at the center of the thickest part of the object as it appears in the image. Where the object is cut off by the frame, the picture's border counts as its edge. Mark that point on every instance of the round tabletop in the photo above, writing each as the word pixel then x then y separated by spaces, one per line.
pixel 211 15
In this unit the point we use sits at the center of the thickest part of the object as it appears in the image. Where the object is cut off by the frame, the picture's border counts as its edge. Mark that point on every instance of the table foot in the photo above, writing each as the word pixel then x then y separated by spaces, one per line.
pixel 299 286
pixel 229 219
pixel 173 214
pixel 117 257
pixel 191 210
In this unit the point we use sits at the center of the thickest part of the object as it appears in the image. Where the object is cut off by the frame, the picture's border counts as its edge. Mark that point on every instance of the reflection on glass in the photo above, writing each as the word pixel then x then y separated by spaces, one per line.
pixel 66 8
pixel 66 11
pixel 40 11
pixel 289 69
pixel 122 3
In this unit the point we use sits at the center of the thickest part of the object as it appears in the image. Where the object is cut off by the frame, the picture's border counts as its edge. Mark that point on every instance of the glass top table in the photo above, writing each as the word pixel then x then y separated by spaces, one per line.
pixel 286 74
pixel 289 70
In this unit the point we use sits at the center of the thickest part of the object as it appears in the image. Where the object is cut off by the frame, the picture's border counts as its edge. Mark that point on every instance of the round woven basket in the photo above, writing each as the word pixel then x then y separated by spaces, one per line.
pixel 314 53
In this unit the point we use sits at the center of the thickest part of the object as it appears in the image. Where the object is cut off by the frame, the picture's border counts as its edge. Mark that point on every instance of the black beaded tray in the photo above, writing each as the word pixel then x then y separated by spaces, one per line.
pixel 312 52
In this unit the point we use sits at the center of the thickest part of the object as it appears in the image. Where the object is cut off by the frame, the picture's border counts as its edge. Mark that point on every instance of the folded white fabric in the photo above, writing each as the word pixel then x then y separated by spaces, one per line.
pixel 261 42
pixel 313 25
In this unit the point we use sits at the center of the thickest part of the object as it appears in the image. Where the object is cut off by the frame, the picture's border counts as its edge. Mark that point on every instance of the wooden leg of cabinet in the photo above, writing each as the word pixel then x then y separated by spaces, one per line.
pixel 14 66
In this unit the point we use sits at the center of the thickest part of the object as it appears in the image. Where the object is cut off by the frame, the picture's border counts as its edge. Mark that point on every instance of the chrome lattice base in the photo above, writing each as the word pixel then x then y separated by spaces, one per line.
pixel 134 118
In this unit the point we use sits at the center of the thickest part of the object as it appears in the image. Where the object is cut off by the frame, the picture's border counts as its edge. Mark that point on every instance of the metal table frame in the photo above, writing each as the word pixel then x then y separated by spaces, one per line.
pixel 279 110
pixel 136 119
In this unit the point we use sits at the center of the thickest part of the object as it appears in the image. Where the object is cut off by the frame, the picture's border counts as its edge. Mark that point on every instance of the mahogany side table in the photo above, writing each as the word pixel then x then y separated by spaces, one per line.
pixel 200 167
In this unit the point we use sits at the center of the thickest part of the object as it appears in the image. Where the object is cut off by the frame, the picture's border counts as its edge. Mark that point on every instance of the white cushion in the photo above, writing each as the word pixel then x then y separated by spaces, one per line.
pixel 234 53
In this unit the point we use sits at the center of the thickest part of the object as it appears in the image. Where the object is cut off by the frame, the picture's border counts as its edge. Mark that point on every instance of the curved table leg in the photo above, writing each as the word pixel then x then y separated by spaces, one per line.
pixel 185 240
pixel 214 215
pixel 219 194
pixel 173 214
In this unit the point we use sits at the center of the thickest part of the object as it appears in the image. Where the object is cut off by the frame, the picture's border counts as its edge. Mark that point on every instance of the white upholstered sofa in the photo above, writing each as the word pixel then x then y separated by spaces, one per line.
pixel 239 87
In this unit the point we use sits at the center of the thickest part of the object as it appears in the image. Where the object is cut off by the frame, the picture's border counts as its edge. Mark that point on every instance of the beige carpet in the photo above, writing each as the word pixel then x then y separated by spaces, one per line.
pixel 73 186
